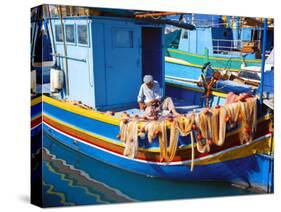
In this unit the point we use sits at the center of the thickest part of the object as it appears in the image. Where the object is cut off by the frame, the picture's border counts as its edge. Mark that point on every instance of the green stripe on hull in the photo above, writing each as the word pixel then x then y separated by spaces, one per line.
pixel 216 62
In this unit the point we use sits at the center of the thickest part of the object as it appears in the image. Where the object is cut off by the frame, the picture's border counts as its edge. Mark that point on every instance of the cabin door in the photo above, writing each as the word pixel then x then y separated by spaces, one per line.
pixel 122 63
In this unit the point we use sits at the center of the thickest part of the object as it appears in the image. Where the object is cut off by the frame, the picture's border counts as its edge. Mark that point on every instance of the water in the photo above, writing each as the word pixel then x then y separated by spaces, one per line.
pixel 71 178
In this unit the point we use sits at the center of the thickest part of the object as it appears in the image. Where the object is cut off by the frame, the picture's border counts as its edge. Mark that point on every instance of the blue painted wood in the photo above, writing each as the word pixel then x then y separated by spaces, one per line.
pixel 152 54
pixel 263 59
pixel 252 170
pixel 106 73
pixel 81 79
pixel 97 127
pixel 99 64
pixel 196 41
pixel 122 62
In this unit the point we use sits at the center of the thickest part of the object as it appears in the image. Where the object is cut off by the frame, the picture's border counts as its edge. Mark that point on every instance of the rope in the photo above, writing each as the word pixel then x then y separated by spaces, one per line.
pixel 174 138
pixel 208 126
pixel 163 142
pixel 192 151
pixel 131 144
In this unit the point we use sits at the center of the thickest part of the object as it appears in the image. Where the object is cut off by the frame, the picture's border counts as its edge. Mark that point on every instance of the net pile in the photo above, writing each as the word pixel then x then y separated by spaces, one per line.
pixel 208 127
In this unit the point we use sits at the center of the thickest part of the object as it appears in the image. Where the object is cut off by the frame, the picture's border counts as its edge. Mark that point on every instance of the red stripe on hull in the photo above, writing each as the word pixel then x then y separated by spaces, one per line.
pixel 181 155
pixel 36 121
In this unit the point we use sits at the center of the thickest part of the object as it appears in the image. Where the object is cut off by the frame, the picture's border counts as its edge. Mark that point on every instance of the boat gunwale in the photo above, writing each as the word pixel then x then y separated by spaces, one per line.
pixel 211 57
pixel 106 119
pixel 197 66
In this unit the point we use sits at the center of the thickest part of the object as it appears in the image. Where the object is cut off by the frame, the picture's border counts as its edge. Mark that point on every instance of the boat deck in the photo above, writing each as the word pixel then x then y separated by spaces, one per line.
pixel 181 107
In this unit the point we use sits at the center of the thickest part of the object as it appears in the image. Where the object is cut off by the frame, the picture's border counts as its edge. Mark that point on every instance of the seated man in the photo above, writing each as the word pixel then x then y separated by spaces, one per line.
pixel 149 98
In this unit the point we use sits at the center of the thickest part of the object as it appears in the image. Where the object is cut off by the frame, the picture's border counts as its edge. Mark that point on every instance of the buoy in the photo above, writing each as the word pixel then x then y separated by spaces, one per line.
pixel 210 141
pixel 227 118
pixel 33 81
pixel 156 132
pixel 194 127
pixel 110 113
pixel 217 106
pixel 170 119
pixel 125 121
pixel 247 130
pixel 56 79
pixel 207 111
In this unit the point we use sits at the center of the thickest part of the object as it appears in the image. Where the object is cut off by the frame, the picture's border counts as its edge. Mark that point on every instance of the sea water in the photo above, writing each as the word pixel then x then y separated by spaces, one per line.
pixel 71 178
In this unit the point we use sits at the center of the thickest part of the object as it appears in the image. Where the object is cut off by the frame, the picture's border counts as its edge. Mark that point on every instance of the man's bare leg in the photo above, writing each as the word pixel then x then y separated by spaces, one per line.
pixel 169 105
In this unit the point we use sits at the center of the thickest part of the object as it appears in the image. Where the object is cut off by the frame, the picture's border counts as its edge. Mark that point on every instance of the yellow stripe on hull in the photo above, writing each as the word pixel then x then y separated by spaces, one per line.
pixel 157 149
pixel 259 147
pixel 99 116
pixel 36 100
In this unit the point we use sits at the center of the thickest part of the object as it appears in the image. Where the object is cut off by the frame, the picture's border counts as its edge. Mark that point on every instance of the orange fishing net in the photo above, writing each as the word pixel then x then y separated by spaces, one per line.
pixel 131 141
pixel 209 127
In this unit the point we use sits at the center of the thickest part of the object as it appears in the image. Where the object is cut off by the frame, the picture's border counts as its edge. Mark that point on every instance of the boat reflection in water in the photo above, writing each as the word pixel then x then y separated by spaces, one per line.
pixel 71 178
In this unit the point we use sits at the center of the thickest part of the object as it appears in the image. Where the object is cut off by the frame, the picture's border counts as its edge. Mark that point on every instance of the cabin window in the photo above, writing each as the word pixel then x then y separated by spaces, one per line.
pixel 82 33
pixel 58 31
pixel 122 38
pixel 185 34
pixel 69 33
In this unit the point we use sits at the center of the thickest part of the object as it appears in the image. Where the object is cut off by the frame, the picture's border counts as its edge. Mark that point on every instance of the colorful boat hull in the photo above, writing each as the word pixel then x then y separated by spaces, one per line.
pixel 94 134
pixel 36 116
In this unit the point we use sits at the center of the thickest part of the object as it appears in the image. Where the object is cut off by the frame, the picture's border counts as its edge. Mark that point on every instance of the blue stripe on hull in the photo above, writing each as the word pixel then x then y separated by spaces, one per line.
pixel 36 130
pixel 252 170
pixel 182 71
pixel 98 127
pixel 36 110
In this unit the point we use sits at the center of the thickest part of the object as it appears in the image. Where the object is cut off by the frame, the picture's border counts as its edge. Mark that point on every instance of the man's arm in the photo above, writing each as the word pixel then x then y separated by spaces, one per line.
pixel 142 106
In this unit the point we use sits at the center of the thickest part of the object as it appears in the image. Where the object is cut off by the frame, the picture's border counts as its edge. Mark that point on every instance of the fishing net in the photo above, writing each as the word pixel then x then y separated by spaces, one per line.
pixel 208 127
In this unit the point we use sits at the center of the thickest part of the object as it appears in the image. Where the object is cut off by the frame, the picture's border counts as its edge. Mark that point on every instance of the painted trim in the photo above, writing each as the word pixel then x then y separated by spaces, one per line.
pixel 180 61
pixel 198 66
pixel 210 57
pixel 209 159
pixel 36 100
pixel 87 113
pixel 36 117
pixel 111 141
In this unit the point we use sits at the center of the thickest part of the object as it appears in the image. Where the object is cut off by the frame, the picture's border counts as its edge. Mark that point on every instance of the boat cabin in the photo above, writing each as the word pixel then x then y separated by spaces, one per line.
pixel 104 59
pixel 224 41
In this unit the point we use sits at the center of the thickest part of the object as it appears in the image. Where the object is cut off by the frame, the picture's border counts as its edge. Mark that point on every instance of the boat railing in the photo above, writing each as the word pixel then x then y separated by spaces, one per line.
pixel 227 45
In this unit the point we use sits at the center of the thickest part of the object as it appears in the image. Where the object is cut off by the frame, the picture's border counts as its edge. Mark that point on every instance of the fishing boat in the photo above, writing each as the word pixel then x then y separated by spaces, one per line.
pixel 227 43
pixel 98 66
